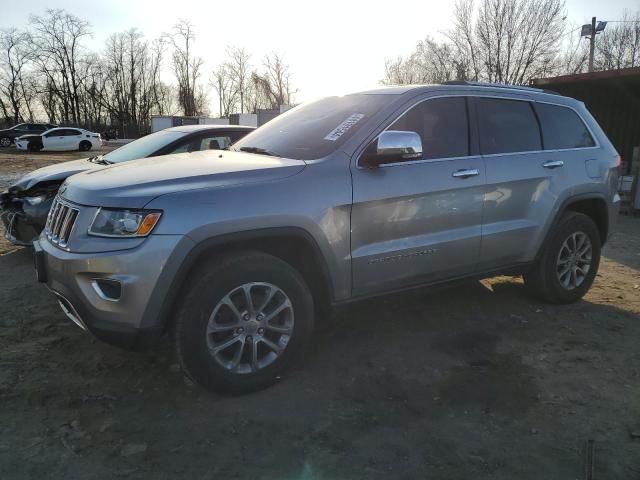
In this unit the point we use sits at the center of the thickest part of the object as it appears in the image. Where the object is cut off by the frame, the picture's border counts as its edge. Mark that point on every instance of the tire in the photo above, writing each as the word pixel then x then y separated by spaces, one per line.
pixel 85 146
pixel 549 280
pixel 34 147
pixel 224 279
pixel 5 142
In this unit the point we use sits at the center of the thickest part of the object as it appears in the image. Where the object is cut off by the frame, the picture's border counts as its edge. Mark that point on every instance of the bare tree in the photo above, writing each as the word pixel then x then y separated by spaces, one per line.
pixel 274 83
pixel 574 57
pixel 517 40
pixel 16 88
pixel 58 50
pixel 223 83
pixel 186 67
pixel 619 44
pixel 240 68
pixel 133 89
pixel 504 41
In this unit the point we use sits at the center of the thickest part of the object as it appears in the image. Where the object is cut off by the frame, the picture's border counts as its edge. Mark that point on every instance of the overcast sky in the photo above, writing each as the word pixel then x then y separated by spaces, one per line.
pixel 331 46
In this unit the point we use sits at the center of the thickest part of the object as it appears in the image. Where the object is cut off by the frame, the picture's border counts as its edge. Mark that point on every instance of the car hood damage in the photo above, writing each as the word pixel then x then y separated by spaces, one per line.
pixel 57 172
pixel 134 184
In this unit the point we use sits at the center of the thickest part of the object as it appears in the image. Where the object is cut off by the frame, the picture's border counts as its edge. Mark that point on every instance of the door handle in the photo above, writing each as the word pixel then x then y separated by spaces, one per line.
pixel 465 173
pixel 553 164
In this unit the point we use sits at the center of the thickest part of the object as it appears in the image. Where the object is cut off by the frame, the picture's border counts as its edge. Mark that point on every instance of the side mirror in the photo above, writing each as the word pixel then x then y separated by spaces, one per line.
pixel 392 146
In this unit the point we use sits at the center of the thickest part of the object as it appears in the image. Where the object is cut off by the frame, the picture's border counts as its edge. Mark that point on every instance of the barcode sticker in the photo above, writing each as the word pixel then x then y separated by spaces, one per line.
pixel 344 127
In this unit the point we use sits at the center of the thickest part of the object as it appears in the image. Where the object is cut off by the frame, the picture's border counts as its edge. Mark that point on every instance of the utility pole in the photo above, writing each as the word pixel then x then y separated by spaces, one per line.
pixel 592 43
pixel 591 31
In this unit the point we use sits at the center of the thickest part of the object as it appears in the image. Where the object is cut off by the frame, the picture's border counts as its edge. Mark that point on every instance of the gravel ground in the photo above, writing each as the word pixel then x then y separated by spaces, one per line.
pixel 415 385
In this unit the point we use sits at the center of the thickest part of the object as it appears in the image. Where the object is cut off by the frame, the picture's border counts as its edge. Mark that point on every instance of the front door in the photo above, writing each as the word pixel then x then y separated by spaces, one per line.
pixel 420 221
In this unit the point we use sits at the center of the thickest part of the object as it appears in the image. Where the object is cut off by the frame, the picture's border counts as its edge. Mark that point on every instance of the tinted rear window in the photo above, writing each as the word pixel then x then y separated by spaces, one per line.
pixel 562 128
pixel 507 126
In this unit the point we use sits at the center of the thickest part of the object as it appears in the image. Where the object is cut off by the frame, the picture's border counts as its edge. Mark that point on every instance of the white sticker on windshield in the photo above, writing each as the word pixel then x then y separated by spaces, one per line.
pixel 344 127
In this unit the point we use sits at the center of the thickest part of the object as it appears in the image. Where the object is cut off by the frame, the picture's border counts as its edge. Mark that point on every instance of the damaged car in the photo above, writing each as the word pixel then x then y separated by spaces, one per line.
pixel 25 205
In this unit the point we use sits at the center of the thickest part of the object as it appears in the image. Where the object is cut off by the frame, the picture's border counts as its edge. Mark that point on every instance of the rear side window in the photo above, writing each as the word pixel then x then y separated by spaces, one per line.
pixel 442 125
pixel 562 128
pixel 507 126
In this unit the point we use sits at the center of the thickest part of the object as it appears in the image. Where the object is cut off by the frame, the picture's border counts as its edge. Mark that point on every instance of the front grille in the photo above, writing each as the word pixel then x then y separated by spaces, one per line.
pixel 62 217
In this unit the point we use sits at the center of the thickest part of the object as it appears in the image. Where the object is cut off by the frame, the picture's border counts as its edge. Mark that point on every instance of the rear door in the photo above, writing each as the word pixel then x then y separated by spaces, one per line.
pixel 524 181
pixel 54 140
pixel 72 139
pixel 420 221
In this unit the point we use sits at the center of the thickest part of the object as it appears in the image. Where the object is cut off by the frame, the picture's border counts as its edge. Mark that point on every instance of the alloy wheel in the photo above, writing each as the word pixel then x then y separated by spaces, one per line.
pixel 250 327
pixel 574 260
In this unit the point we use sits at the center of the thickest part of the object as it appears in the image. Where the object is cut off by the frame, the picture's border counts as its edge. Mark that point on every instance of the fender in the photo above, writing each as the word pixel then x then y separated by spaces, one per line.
pixel 166 297
pixel 560 212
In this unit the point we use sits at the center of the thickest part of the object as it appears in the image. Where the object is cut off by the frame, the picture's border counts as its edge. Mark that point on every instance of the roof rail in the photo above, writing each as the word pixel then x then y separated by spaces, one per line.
pixel 499 85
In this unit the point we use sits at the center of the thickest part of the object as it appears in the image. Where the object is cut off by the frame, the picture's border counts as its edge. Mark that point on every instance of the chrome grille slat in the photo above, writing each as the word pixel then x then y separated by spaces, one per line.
pixel 60 222
pixel 61 214
pixel 67 225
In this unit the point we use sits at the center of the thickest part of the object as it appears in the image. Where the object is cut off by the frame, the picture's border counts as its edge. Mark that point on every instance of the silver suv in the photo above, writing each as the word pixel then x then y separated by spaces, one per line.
pixel 234 252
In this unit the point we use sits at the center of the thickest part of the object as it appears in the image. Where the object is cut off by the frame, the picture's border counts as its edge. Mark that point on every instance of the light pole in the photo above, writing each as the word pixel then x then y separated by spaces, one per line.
pixel 590 31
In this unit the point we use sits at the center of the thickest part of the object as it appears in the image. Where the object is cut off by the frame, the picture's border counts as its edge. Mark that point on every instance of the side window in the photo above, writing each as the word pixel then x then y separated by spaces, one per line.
pixel 55 133
pixel 442 125
pixel 562 128
pixel 507 126
pixel 72 133
pixel 182 148
pixel 215 143
pixel 203 143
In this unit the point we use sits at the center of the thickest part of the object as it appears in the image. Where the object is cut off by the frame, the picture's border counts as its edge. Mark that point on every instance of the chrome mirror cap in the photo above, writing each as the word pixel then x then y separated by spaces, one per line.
pixel 393 146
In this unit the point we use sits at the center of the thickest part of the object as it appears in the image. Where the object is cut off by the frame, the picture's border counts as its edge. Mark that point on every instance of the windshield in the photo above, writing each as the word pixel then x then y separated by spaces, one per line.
pixel 142 147
pixel 313 130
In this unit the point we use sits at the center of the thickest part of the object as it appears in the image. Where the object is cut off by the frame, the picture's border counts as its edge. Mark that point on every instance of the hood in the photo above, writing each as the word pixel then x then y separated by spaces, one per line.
pixel 28 136
pixel 134 184
pixel 58 171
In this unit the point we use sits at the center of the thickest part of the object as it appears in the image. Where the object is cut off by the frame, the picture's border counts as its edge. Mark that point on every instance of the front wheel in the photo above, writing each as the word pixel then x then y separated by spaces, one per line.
pixel 569 264
pixel 243 321
pixel 34 146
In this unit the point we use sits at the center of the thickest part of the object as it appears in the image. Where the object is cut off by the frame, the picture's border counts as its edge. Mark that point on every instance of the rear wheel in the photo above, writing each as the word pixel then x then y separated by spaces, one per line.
pixel 85 146
pixel 570 262
pixel 243 321
pixel 5 142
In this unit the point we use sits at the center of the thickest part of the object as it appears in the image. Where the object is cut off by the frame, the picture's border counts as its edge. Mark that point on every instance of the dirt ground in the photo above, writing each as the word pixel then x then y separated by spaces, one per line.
pixel 476 381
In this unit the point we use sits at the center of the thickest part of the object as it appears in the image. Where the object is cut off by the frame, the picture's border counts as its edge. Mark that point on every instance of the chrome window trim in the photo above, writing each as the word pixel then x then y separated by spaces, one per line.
pixel 489 155
pixel 427 160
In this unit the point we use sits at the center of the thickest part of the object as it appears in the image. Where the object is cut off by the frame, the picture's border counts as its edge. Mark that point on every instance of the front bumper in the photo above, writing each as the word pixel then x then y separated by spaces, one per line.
pixel 23 223
pixel 75 278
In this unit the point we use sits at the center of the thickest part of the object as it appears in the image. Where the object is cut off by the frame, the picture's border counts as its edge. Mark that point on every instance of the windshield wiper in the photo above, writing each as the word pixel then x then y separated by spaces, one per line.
pixel 99 159
pixel 259 151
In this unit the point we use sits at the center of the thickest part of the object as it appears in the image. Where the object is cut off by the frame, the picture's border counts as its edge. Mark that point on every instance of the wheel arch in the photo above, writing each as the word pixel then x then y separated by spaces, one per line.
pixel 294 245
pixel 593 205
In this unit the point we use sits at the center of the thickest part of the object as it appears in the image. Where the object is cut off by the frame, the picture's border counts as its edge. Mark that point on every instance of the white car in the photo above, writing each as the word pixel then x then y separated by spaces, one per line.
pixel 60 139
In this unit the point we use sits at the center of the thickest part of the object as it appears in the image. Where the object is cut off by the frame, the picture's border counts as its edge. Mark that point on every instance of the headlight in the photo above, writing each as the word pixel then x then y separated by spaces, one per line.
pixel 124 223
pixel 33 201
